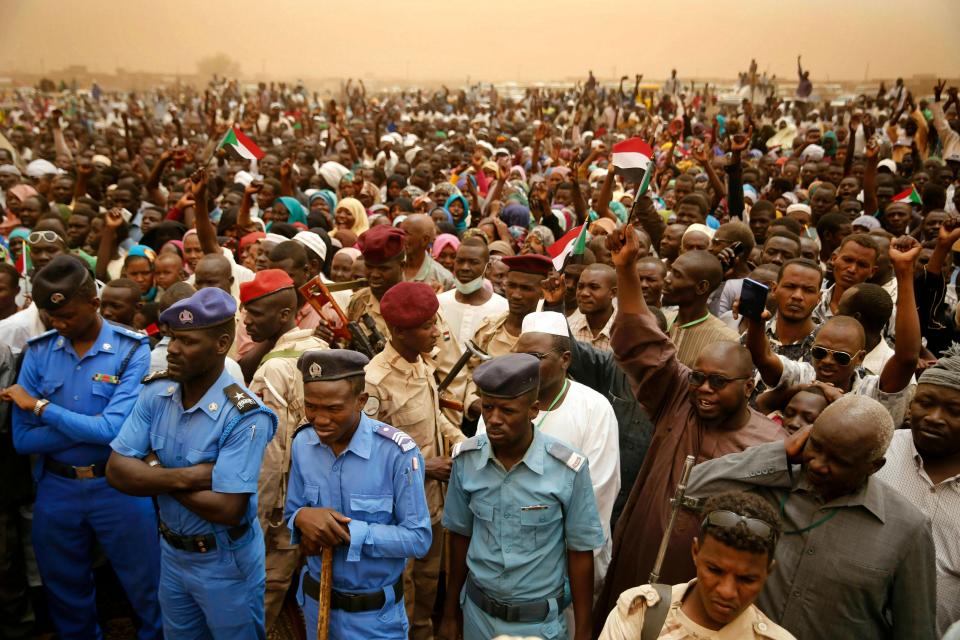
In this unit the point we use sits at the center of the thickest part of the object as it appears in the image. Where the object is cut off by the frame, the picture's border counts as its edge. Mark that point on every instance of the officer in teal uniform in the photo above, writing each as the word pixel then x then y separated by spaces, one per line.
pixel 520 510
pixel 77 385
pixel 195 441
pixel 356 484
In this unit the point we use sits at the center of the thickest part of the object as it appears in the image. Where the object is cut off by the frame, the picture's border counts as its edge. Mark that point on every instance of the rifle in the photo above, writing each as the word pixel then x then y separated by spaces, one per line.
pixel 351 333
pixel 676 503
pixel 471 350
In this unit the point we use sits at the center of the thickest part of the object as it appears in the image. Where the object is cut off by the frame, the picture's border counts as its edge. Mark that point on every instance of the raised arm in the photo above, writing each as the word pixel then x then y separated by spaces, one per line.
pixel 764 359
pixel 206 231
pixel 872 153
pixel 738 143
pixel 602 205
pixel 899 369
pixel 112 222
pixel 649 218
pixel 156 173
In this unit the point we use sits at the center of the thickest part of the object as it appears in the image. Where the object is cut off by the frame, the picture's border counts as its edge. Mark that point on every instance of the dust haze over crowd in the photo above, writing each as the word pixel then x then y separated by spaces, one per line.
pixel 499 40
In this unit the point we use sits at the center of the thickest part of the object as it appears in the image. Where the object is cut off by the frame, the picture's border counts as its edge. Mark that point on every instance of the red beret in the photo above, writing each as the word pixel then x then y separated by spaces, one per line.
pixel 264 283
pixel 381 244
pixel 408 304
pixel 250 238
pixel 529 263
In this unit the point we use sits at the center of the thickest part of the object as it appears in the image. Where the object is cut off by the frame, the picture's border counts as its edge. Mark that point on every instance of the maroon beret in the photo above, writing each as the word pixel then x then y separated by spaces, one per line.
pixel 408 304
pixel 264 283
pixel 381 244
pixel 529 263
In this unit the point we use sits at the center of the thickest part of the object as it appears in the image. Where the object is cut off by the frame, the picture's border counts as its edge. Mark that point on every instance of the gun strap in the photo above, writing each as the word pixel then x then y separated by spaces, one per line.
pixel 656 616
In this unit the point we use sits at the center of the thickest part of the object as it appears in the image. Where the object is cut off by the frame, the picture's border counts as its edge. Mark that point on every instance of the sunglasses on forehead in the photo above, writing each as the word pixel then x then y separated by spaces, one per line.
pixel 732 520
pixel 715 380
pixel 842 357
pixel 43 236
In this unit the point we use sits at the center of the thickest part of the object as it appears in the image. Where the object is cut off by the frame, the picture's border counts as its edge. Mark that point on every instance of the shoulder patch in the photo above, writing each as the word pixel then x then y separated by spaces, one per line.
pixel 399 438
pixel 42 337
pixel 566 455
pixel 239 398
pixel 129 333
pixel 156 375
pixel 470 444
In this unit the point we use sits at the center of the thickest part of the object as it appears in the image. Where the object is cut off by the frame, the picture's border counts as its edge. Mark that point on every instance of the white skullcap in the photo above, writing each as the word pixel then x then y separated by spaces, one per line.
pixel 702 228
pixel 888 164
pixel 799 206
pixel 243 177
pixel 549 322
pixel 411 154
pixel 40 167
pixel 274 238
pixel 312 241
pixel 814 152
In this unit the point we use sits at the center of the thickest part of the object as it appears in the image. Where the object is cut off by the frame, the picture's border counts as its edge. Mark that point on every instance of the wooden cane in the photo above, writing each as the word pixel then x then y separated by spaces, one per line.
pixel 326 590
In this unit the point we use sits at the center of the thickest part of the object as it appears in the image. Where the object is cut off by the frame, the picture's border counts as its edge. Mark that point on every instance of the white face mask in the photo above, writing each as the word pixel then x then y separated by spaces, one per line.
pixel 466 288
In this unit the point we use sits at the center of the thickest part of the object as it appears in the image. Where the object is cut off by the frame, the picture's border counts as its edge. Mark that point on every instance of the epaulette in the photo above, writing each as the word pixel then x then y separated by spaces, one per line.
pixel 155 375
pixel 240 398
pixel 566 455
pixel 129 333
pixel 470 444
pixel 399 438
pixel 42 337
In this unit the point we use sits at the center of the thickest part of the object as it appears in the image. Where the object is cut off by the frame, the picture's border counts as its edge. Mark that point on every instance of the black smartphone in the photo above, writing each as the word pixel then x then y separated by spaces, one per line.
pixel 753 299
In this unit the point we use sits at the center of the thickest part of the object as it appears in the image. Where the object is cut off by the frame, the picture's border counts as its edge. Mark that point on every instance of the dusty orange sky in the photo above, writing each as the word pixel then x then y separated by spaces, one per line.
pixel 498 40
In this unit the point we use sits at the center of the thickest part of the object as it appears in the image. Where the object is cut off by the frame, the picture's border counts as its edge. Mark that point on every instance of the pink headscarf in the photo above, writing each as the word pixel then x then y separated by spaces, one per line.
pixel 443 241
pixel 23 191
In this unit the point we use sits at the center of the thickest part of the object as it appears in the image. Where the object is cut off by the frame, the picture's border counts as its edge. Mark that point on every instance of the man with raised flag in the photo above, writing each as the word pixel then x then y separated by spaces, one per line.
pixel 632 160
pixel 236 142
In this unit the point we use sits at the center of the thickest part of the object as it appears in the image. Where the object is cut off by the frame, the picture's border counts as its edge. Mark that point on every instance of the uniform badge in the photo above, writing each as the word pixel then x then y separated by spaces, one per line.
pixel 213 406
pixel 107 346
pixel 240 400
pixel 315 370
pixel 186 317
pixel 372 407
pixel 60 342
pixel 57 297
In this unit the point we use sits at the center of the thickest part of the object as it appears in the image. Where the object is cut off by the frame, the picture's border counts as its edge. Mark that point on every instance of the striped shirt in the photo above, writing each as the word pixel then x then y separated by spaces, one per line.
pixel 690 341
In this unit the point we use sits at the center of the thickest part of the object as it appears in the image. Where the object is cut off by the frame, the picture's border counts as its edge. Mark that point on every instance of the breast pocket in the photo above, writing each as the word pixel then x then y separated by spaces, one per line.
pixel 484 525
pixel 157 442
pixel 197 456
pixel 376 508
pixel 538 527
pixel 49 387
pixel 102 389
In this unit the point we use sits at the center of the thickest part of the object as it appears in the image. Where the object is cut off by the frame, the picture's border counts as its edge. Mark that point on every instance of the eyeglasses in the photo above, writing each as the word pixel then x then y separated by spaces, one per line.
pixel 842 357
pixel 731 520
pixel 43 236
pixel 715 380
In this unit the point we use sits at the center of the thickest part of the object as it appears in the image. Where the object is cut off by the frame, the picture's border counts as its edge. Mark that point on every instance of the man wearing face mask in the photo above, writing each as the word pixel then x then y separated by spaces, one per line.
pixel 465 306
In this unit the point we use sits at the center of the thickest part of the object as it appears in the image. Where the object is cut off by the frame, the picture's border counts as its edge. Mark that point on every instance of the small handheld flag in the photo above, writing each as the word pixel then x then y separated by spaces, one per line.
pixel 633 161
pixel 910 196
pixel 240 145
pixel 572 243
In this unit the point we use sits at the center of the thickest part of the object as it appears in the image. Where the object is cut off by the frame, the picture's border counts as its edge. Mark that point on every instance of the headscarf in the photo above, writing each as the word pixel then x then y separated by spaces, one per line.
pixel 332 173
pixel 503 247
pixel 329 196
pixel 148 254
pixel 295 212
pixel 23 191
pixel 619 210
pixel 946 373
pixel 19 232
pixel 461 224
pixel 445 212
pixel 443 241
pixel 353 252
pixel 186 266
pixel 371 190
pixel 355 207
pixel 515 215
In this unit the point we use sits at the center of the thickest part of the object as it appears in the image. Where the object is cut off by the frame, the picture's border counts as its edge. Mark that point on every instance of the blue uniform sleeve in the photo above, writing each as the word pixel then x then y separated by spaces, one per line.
pixel 296 499
pixel 457 516
pixel 411 536
pixel 237 468
pixel 133 440
pixel 29 433
pixel 103 428
pixel 581 525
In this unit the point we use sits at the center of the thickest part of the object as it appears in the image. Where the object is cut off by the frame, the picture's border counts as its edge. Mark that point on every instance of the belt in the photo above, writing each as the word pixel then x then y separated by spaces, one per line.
pixel 198 543
pixel 352 602
pixel 62 469
pixel 536 611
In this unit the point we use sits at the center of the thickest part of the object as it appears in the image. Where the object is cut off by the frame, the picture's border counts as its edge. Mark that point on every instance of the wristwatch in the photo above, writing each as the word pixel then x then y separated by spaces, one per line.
pixel 38 408
pixel 154 463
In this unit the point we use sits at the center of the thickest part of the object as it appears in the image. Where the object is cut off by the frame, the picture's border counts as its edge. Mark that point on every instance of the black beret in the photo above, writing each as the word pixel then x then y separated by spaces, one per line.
pixel 508 376
pixel 58 282
pixel 323 365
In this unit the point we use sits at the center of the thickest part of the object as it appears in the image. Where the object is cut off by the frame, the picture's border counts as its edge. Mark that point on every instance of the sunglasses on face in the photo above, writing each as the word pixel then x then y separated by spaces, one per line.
pixel 43 236
pixel 842 357
pixel 731 520
pixel 715 380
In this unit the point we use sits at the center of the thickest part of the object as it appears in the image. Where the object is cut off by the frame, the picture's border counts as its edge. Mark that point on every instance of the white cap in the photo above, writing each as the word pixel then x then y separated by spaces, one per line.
pixel 549 322
pixel 312 241
pixel 40 167
pixel 888 164
pixel 243 177
pixel 273 238
pixel 799 206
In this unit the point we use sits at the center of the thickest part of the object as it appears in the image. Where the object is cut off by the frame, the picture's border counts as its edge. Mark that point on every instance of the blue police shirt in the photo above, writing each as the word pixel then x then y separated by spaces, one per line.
pixel 521 522
pixel 378 482
pixel 88 400
pixel 227 430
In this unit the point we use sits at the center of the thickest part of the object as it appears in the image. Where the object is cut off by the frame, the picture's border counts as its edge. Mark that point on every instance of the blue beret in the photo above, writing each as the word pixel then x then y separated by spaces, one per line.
pixel 58 281
pixel 508 376
pixel 206 308
pixel 322 365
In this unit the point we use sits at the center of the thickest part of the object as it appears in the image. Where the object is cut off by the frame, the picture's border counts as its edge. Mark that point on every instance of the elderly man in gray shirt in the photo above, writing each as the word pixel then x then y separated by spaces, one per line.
pixel 856 559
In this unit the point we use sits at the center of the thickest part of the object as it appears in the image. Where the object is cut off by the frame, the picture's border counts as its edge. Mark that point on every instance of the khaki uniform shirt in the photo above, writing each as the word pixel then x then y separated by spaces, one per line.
pixel 278 383
pixel 404 395
pixel 626 621
pixel 492 338
pixel 443 357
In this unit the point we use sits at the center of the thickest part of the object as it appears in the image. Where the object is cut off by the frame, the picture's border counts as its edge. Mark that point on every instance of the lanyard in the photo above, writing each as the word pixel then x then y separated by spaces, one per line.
pixel 694 323
pixel 811 527
pixel 566 383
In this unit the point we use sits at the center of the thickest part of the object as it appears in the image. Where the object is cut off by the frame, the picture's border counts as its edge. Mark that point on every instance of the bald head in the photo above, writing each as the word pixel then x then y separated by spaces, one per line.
pixel 214 271
pixel 420 231
pixel 860 422
pixel 605 273
pixel 701 266
pixel 733 355
pixel 846 329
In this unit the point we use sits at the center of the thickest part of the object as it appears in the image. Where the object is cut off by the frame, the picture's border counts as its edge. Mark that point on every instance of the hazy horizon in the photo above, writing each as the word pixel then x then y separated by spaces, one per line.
pixel 423 40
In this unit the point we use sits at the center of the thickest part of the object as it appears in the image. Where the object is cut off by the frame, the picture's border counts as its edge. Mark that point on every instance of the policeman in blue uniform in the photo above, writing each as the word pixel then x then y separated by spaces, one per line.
pixel 356 485
pixel 522 518
pixel 77 385
pixel 195 440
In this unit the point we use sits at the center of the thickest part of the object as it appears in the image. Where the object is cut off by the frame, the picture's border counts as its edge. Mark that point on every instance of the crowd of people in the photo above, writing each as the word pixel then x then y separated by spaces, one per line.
pixel 428 364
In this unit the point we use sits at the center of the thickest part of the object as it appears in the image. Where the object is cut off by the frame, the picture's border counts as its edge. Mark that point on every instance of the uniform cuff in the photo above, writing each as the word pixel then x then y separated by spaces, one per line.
pixel 294 532
pixel 358 536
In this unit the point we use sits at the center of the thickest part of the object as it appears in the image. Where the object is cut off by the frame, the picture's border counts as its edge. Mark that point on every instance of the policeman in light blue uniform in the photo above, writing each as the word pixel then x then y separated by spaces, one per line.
pixel 356 484
pixel 195 440
pixel 519 507
pixel 77 385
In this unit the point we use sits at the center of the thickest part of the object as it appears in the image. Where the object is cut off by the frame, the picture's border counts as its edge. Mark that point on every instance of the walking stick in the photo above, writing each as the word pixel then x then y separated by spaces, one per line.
pixel 676 503
pixel 326 589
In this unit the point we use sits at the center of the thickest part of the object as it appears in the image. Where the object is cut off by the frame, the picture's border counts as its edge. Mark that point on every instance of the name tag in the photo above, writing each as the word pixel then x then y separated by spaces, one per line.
pixel 535 507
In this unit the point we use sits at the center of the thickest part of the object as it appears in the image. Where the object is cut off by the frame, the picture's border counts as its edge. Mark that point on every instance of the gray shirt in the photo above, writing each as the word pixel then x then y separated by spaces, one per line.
pixel 866 572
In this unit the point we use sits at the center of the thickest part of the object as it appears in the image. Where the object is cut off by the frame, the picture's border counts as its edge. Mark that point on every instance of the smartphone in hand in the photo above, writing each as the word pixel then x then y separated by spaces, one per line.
pixel 753 299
